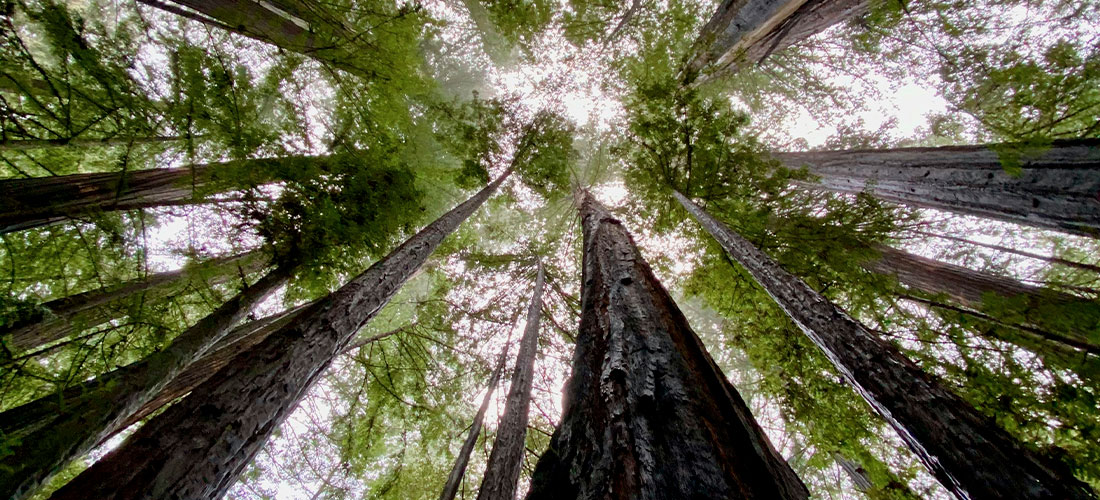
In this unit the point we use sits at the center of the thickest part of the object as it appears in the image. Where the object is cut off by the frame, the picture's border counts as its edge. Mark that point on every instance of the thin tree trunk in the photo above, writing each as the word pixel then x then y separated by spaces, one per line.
pixel 89 309
pixel 20 144
pixel 648 414
pixel 745 32
pixel 454 479
pixel 855 472
pixel 965 450
pixel 1058 188
pixel 27 418
pixel 198 447
pixel 506 459
pixel 1072 318
pixel 76 429
pixel 1014 251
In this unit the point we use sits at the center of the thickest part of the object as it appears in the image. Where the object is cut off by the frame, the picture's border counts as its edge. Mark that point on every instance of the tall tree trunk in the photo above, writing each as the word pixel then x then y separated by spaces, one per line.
pixel 1058 188
pixel 89 309
pixel 1014 251
pixel 966 451
pixel 198 447
pixel 745 32
pixel 77 428
pixel 648 414
pixel 39 201
pixel 454 479
pixel 506 459
pixel 1075 320
pixel 29 417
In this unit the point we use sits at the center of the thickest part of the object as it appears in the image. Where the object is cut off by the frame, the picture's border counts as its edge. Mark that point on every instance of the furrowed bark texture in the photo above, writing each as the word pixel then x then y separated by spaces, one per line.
pixel 95 307
pixel 973 289
pixel 506 459
pixel 966 451
pixel 648 414
pixel 454 479
pixel 745 32
pixel 24 419
pixel 198 446
pixel 76 429
pixel 1059 188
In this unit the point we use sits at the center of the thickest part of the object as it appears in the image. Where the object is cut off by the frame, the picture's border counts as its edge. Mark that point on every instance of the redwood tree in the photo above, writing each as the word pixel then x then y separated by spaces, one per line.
pixel 454 479
pixel 647 412
pixel 965 450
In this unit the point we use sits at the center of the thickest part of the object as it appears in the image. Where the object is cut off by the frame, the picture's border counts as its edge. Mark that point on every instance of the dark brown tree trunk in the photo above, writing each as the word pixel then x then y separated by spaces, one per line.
pixel 92 308
pixel 454 479
pixel 506 459
pixel 1058 188
pixel 1014 251
pixel 1073 319
pixel 965 450
pixel 647 412
pixel 75 429
pixel 198 447
pixel 745 32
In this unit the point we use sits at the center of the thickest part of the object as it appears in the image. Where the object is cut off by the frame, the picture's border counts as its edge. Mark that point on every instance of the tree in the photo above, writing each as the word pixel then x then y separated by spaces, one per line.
pixel 969 455
pixel 1050 186
pixel 454 479
pixel 647 411
pixel 253 394
pixel 502 471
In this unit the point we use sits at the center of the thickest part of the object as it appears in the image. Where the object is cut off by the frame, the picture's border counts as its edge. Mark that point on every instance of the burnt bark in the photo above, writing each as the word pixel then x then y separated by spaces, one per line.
pixel 647 412
pixel 198 446
pixel 506 459
pixel 75 429
pixel 89 309
pixel 1071 319
pixel 965 450
pixel 454 479
pixel 745 32
pixel 1059 187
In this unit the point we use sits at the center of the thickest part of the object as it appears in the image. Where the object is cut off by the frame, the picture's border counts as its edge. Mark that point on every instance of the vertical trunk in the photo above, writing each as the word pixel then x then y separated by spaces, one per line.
pixel 966 451
pixel 506 459
pixel 1014 251
pixel 454 479
pixel 198 447
pixel 648 414
pixel 75 429
pixel 1073 320
pixel 92 308
pixel 745 32
pixel 1058 188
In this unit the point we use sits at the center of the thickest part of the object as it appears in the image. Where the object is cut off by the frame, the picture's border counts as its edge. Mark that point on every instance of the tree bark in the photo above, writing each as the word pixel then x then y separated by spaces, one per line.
pixel 855 472
pixel 1073 319
pixel 198 447
pixel 92 308
pixel 1059 187
pixel 966 451
pixel 647 412
pixel 454 479
pixel 506 459
pixel 77 428
pixel 745 32
pixel 1014 251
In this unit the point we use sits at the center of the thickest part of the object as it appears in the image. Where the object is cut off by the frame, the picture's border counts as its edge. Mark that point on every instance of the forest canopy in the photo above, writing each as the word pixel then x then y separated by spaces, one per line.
pixel 543 249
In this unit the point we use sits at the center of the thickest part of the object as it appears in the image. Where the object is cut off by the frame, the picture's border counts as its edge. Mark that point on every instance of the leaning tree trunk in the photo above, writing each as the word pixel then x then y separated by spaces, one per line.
pixel 29 417
pixel 648 414
pixel 1071 320
pixel 506 459
pixel 179 455
pixel 22 144
pixel 1058 187
pixel 76 429
pixel 965 450
pixel 454 479
pixel 1014 251
pixel 89 309
pixel 40 201
pixel 745 32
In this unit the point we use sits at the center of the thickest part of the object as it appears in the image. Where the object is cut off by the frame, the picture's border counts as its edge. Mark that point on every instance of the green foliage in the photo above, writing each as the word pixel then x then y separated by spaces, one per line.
pixel 545 155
